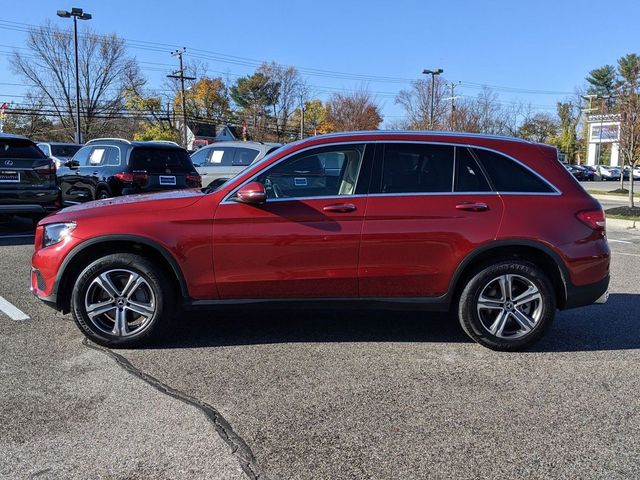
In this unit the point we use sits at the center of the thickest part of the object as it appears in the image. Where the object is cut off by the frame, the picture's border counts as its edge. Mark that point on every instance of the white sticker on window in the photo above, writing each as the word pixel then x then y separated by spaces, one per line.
pixel 96 156
pixel 216 156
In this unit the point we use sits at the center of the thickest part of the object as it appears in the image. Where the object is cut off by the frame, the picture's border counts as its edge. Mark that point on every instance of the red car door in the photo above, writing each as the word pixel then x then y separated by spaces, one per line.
pixel 304 240
pixel 417 229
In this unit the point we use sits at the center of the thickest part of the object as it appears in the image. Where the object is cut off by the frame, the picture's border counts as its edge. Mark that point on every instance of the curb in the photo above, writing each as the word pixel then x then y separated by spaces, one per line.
pixel 620 223
pixel 620 198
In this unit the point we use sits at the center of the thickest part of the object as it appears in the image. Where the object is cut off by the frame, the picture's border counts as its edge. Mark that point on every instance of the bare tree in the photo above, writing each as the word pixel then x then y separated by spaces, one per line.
pixel 290 86
pixel 352 111
pixel 417 104
pixel 104 69
pixel 629 109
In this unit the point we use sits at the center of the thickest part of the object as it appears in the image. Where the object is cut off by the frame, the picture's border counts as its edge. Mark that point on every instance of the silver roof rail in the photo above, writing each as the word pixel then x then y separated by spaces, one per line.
pixel 94 140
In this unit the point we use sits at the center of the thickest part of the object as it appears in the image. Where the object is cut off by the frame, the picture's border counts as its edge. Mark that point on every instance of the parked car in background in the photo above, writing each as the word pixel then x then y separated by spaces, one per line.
pixel 627 172
pixel 61 153
pixel 220 161
pixel 109 167
pixel 492 228
pixel 579 172
pixel 27 179
pixel 608 173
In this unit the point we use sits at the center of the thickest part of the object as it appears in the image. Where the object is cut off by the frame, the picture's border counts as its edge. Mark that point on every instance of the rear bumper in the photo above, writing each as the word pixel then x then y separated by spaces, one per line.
pixel 29 201
pixel 585 294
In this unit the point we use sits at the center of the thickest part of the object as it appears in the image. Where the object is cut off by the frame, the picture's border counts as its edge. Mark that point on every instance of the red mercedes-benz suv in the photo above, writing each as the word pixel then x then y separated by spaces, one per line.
pixel 492 228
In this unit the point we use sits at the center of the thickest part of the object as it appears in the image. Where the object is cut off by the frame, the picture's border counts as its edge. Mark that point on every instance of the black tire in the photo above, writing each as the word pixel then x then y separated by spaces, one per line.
pixel 158 289
pixel 102 194
pixel 487 279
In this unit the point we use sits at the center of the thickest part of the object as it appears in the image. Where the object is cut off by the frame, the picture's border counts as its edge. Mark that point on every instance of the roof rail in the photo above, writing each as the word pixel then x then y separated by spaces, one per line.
pixel 167 142
pixel 93 140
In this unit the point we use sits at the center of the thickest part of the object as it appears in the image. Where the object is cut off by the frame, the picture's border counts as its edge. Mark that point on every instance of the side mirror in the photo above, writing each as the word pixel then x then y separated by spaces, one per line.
pixel 72 164
pixel 252 193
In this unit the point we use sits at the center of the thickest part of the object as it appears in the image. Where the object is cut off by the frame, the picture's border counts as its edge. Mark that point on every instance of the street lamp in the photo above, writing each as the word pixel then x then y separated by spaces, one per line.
pixel 76 13
pixel 433 74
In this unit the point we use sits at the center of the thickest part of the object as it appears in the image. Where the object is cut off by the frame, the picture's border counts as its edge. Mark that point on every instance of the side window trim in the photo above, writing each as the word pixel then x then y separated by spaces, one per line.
pixel 556 191
pixel 367 158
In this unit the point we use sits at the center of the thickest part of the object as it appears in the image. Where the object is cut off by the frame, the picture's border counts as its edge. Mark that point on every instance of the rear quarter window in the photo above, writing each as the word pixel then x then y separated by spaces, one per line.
pixel 160 159
pixel 508 175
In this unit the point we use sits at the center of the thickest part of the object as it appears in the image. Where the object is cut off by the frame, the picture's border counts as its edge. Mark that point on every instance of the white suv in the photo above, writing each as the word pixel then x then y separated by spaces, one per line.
pixel 220 161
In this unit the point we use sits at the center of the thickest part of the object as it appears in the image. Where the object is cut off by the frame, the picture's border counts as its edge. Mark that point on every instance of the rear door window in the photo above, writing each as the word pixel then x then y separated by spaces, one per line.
pixel 220 157
pixel 160 160
pixel 508 175
pixel 469 176
pixel 417 168
pixel 244 156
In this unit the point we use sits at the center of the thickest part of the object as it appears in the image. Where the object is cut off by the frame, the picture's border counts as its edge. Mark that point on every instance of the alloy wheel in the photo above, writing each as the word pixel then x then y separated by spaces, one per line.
pixel 120 302
pixel 510 306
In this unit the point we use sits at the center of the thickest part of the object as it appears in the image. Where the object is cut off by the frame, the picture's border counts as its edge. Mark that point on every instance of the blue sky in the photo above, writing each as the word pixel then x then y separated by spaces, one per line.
pixel 524 48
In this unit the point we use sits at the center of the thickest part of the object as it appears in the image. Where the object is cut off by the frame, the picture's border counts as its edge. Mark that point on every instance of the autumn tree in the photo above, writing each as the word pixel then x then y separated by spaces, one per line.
pixel 352 111
pixel 254 94
pixel 206 99
pixel 104 70
pixel 567 140
pixel 27 119
pixel 315 117
pixel 541 128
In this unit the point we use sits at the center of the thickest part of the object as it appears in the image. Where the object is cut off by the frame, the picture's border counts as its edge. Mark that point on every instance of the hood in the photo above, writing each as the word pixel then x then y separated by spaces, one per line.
pixel 170 200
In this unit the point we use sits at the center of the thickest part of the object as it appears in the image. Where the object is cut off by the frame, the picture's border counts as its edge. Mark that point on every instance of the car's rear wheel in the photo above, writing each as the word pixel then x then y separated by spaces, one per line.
pixel 122 300
pixel 102 194
pixel 507 305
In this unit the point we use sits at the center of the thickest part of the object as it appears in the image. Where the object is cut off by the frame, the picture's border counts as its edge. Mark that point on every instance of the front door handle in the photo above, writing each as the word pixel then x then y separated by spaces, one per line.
pixel 473 206
pixel 340 208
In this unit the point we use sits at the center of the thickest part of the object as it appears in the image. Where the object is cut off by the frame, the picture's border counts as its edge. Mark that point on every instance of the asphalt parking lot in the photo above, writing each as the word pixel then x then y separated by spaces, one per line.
pixel 321 394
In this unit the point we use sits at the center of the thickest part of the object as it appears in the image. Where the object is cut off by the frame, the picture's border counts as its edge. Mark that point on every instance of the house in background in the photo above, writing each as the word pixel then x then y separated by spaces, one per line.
pixel 201 134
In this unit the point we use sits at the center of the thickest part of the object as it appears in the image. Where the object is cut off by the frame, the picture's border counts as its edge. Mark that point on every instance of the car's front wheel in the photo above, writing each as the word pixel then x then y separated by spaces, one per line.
pixel 122 300
pixel 507 305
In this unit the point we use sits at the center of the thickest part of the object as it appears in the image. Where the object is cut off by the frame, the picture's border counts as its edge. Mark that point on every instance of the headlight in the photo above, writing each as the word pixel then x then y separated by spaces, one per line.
pixel 57 232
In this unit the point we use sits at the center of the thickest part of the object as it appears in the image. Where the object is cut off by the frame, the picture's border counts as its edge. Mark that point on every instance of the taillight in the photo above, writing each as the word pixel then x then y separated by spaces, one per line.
pixel 138 178
pixel 594 219
pixel 124 177
pixel 49 169
pixel 194 180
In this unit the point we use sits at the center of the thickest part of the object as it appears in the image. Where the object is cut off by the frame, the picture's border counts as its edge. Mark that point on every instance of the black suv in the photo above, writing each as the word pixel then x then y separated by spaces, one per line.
pixel 27 179
pixel 109 167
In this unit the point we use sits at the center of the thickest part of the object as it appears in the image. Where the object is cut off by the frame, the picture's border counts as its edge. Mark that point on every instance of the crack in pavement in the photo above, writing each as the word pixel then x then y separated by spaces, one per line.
pixel 239 447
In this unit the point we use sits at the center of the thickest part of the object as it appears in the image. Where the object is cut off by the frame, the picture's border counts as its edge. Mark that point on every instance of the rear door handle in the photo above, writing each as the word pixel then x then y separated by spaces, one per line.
pixel 340 208
pixel 473 206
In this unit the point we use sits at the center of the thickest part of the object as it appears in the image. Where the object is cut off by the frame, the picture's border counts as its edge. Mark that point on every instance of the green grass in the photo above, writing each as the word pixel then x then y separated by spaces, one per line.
pixel 617 194
pixel 624 213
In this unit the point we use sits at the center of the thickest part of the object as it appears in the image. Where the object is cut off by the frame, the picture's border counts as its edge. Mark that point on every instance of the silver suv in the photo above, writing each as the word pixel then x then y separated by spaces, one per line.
pixel 220 161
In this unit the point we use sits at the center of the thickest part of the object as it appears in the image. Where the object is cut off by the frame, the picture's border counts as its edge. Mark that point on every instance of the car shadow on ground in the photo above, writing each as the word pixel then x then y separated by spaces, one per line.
pixel 612 326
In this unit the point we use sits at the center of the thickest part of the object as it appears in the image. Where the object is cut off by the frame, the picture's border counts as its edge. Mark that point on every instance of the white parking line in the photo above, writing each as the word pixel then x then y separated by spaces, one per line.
pixel 12 311
pixel 629 254
pixel 618 241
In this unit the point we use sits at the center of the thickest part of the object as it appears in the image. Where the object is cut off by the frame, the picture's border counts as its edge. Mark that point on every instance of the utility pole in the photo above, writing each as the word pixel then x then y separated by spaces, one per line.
pixel 181 76
pixel 433 74
pixel 301 117
pixel 453 105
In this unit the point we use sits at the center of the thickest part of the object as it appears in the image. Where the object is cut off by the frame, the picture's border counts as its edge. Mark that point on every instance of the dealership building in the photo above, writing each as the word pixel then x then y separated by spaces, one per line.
pixel 603 129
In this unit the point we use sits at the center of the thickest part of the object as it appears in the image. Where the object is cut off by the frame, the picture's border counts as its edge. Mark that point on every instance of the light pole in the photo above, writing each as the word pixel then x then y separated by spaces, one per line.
pixel 433 74
pixel 76 13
